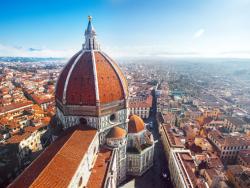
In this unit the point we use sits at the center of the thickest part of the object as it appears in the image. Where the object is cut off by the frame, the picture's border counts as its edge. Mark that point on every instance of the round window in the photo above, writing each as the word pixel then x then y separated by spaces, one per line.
pixel 112 117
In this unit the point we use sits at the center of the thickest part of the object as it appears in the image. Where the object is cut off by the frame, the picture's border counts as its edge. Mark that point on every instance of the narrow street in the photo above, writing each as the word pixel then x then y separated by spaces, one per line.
pixel 153 177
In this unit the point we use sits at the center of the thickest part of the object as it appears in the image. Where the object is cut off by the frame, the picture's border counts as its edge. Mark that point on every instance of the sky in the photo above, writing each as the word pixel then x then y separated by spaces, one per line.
pixel 126 28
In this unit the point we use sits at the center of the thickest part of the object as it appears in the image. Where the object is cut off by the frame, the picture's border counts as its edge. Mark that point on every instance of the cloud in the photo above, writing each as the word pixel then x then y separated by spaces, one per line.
pixel 34 49
pixel 140 51
pixel 199 33
pixel 6 50
pixel 167 51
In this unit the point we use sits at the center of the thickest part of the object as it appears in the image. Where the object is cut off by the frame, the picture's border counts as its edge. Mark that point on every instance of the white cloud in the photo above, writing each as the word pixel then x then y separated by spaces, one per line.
pixel 167 51
pixel 199 33
pixel 6 50
pixel 149 50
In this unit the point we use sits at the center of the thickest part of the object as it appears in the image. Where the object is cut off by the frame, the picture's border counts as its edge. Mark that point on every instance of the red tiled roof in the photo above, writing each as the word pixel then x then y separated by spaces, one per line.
pixel 15 106
pixel 147 103
pixel 41 99
pixel 57 164
pixel 17 138
pixel 245 156
pixel 229 140
pixel 98 174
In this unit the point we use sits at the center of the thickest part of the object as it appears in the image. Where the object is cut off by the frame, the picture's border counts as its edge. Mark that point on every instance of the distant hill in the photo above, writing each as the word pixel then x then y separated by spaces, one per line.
pixel 30 59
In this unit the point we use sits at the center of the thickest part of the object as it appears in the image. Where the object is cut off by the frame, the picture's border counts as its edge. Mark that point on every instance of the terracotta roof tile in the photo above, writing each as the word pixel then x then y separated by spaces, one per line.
pixel 110 86
pixel 98 174
pixel 15 106
pixel 48 170
pixel 135 124
pixel 81 86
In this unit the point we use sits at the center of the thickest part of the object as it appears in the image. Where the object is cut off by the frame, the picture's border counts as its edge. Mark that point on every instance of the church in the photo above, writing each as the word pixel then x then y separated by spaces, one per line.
pixel 95 142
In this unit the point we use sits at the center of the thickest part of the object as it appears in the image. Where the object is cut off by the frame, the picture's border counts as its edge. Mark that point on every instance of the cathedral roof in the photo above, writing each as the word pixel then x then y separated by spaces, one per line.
pixel 56 166
pixel 91 78
pixel 116 132
pixel 99 171
pixel 80 84
pixel 135 124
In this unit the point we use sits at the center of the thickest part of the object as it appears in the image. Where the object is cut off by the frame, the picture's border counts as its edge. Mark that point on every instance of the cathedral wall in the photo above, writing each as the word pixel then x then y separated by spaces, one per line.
pixel 137 164
pixel 101 123
pixel 121 163
pixel 132 138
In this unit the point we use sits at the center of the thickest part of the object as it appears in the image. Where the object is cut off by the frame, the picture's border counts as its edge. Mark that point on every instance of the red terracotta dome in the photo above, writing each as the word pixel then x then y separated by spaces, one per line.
pixel 135 124
pixel 116 132
pixel 90 78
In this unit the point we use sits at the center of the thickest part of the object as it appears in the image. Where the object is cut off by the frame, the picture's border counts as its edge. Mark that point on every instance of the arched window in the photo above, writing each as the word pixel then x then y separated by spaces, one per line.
pixel 112 117
pixel 83 121
pixel 80 182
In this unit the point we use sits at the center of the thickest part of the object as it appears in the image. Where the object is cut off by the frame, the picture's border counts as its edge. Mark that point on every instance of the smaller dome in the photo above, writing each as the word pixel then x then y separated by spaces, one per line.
pixel 116 132
pixel 135 124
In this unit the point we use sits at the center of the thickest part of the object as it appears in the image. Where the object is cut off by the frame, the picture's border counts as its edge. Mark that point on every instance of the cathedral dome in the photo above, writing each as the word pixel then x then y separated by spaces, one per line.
pixel 90 81
pixel 117 133
pixel 135 124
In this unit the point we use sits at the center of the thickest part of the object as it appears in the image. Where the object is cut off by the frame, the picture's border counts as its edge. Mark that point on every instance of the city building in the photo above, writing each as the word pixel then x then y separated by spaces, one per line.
pixel 141 105
pixel 228 146
pixel 243 158
pixel 171 139
pixel 183 170
pixel 15 109
pixel 234 124
pixel 239 176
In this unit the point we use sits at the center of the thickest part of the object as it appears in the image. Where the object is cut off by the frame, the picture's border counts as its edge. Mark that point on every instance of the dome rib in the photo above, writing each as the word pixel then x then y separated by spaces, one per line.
pixel 95 77
pixel 81 85
pixel 68 76
pixel 63 75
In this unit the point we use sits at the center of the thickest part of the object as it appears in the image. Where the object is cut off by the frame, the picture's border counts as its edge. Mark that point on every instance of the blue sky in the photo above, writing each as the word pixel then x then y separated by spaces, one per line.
pixel 127 28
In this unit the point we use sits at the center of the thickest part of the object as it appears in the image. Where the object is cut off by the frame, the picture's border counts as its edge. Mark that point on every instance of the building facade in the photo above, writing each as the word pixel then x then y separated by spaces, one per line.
pixel 141 106
pixel 229 146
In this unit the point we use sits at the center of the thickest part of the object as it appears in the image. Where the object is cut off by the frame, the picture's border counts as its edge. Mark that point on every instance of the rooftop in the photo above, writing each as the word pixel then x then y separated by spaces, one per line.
pixel 48 170
pixel 99 171
pixel 235 121
pixel 135 124
pixel 228 140
pixel 15 106
pixel 245 155
pixel 188 167
pixel 241 174
pixel 173 137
